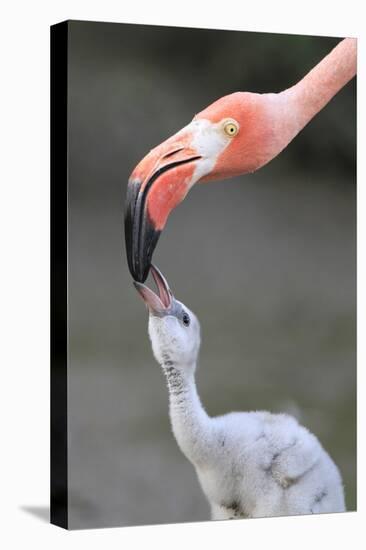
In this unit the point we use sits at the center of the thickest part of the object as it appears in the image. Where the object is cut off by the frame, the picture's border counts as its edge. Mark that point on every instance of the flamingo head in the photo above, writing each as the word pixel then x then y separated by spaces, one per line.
pixel 231 136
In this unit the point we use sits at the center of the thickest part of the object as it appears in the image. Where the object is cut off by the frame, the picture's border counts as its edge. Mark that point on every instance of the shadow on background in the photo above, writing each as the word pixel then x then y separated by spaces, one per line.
pixel 40 512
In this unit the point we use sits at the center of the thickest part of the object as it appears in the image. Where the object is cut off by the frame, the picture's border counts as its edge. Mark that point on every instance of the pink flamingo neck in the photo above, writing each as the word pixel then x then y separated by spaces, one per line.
pixel 316 89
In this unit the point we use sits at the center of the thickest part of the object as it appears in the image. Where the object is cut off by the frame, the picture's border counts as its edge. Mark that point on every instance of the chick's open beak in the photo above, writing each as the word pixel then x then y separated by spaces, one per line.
pixel 157 304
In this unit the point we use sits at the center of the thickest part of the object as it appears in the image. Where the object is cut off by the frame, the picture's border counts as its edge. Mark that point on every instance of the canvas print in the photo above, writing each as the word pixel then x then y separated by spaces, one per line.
pixel 203 277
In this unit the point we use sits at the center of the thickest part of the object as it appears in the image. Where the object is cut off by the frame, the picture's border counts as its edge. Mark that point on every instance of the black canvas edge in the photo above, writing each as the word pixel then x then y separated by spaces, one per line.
pixel 59 270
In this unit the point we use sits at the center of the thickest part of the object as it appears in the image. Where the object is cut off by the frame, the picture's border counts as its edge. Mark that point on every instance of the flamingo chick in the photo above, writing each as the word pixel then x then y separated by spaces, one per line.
pixel 249 464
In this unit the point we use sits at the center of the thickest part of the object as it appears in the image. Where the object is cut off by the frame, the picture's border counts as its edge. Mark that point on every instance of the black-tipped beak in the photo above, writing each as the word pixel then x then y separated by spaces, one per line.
pixel 140 234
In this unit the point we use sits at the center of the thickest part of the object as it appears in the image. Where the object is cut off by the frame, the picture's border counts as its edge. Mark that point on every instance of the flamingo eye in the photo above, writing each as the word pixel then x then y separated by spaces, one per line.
pixel 186 320
pixel 231 128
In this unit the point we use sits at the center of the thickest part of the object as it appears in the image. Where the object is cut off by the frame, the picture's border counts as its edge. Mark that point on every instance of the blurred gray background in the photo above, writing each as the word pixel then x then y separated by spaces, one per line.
pixel 267 261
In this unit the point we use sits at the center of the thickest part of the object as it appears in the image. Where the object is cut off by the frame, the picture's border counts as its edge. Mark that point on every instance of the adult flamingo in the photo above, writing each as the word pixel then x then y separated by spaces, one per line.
pixel 236 134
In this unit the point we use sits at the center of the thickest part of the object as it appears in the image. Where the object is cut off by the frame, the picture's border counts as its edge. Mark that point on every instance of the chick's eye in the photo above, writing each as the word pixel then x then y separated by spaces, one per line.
pixel 185 319
pixel 231 129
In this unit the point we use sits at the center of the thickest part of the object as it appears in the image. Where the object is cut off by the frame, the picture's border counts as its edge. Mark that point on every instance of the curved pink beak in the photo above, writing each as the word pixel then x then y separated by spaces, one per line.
pixel 156 186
